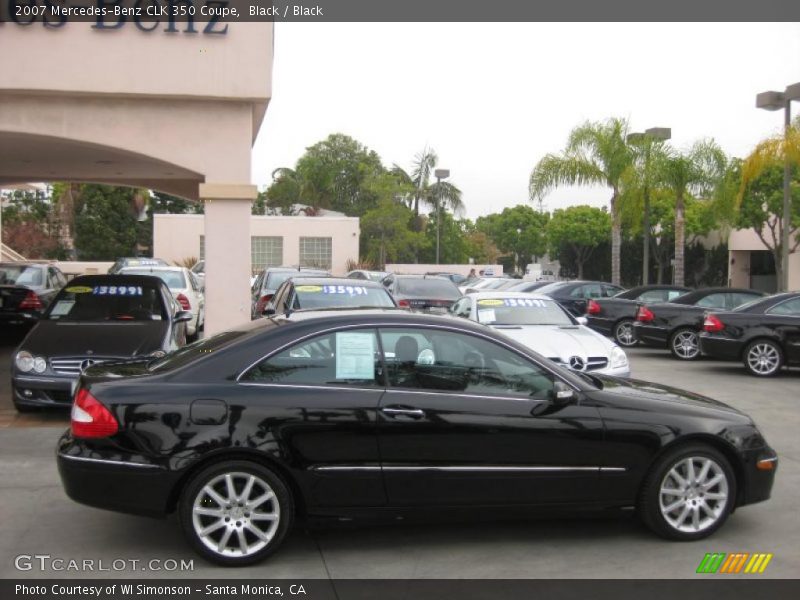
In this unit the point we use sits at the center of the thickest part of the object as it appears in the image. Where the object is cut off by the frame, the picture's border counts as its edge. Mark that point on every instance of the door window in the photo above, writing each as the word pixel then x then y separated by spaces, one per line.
pixel 713 301
pixel 789 307
pixel 447 361
pixel 611 290
pixel 338 358
pixel 739 298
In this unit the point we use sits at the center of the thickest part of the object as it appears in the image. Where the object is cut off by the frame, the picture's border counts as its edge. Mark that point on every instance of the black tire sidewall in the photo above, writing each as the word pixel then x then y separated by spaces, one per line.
pixel 649 506
pixel 672 343
pixel 750 347
pixel 196 483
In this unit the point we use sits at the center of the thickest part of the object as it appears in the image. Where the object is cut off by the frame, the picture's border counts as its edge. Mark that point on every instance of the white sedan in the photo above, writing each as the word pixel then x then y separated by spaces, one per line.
pixel 186 289
pixel 542 325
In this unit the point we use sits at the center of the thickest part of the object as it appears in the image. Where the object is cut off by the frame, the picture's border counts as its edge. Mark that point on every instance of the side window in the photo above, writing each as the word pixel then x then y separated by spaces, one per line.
pixel 611 290
pixel 577 292
pixel 789 307
pixel 672 294
pixel 653 296
pixel 339 358
pixel 713 301
pixel 257 282
pixel 739 298
pixel 447 361
pixel 592 291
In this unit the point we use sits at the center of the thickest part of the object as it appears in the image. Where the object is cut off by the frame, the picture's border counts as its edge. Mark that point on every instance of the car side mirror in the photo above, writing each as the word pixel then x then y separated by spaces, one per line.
pixel 582 320
pixel 562 394
pixel 182 316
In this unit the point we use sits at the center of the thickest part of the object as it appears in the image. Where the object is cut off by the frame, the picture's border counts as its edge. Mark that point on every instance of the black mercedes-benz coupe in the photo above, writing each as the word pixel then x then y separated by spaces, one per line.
pixel 346 413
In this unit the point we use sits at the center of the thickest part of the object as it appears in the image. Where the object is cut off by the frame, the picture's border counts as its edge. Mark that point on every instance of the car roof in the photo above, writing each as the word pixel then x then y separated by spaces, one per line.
pixel 155 268
pixel 347 315
pixel 117 279
pixel 425 276
pixel 312 280
pixel 504 294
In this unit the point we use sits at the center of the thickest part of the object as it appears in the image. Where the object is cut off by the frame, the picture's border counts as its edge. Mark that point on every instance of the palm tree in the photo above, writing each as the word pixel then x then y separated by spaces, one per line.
pixel 696 171
pixel 419 180
pixel 596 154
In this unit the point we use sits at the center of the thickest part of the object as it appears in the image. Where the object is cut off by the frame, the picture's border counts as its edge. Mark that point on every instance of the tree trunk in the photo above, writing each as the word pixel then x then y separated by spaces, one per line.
pixel 616 240
pixel 680 238
pixel 580 269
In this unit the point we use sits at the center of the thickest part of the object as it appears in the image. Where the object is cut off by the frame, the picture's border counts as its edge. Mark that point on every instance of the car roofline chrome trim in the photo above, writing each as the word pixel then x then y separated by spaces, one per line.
pixel 106 461
pixel 320 386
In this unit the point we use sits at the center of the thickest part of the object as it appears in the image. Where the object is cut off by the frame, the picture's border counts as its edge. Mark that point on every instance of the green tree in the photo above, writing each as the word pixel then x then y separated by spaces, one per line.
pixel 581 229
pixel 454 247
pixel 697 171
pixel 386 235
pixel 596 154
pixel 161 203
pixel 421 189
pixel 520 231
pixel 31 224
pixel 105 225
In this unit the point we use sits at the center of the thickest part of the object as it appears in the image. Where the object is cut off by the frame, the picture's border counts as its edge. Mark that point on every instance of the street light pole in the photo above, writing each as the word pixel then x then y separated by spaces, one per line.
pixel 647 138
pixel 777 101
pixel 440 174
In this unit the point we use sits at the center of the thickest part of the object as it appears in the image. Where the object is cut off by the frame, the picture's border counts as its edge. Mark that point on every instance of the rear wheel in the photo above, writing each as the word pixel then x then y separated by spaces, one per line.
pixel 623 333
pixel 688 494
pixel 763 358
pixel 685 344
pixel 236 513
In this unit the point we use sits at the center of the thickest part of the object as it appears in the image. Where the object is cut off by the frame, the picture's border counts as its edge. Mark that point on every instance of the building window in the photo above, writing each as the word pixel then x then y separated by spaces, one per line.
pixel 265 252
pixel 315 252
pixel 202 247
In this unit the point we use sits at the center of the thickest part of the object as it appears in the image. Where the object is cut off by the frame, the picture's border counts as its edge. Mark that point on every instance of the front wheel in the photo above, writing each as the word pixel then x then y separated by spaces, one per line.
pixel 623 334
pixel 763 358
pixel 236 513
pixel 688 494
pixel 685 344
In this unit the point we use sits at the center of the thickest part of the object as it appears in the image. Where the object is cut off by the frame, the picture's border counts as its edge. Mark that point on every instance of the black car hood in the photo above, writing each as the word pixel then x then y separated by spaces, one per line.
pixel 122 339
pixel 634 389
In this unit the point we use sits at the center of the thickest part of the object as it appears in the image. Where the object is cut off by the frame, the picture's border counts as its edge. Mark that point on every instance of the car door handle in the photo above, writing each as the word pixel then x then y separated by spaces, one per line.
pixel 414 413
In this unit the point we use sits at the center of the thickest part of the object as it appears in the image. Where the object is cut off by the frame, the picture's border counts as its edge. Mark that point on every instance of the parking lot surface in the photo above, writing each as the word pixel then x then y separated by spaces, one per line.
pixel 38 518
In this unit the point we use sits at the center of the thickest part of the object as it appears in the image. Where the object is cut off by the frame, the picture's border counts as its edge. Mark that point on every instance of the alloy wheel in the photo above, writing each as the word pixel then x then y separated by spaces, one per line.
pixel 623 333
pixel 236 514
pixel 763 358
pixel 685 345
pixel 694 494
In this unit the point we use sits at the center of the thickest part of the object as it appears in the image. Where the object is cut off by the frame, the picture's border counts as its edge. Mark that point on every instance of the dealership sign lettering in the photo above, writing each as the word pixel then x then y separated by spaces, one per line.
pixel 171 16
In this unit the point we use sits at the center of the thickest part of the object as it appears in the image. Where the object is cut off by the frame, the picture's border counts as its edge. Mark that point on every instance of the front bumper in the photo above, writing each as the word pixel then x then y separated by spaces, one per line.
pixel 649 335
pixel 113 480
pixel 757 482
pixel 43 390
pixel 615 371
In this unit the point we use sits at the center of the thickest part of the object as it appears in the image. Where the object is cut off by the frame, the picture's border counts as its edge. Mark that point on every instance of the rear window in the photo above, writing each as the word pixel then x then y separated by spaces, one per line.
pixel 175 280
pixel 100 303
pixel 332 296
pixel 428 288
pixel 20 275
pixel 183 356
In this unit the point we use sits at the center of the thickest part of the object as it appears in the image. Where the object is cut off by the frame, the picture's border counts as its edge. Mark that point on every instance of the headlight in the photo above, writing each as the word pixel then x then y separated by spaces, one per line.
pixel 39 364
pixel 618 358
pixel 24 361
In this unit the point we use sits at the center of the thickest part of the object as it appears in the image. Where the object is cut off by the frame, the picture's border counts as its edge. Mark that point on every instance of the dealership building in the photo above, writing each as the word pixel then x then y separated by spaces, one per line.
pixel 170 106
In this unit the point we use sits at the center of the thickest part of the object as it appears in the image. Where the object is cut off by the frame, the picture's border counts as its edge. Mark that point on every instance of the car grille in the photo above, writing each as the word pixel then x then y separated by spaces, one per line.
pixel 593 363
pixel 72 366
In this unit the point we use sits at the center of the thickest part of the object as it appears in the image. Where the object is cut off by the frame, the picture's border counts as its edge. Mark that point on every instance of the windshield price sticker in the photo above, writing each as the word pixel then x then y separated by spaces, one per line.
pixel 117 290
pixel 79 289
pixel 351 290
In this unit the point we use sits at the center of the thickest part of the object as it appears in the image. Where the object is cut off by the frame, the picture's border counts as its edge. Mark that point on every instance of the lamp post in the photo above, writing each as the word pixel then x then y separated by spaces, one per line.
pixel 647 139
pixel 777 101
pixel 440 174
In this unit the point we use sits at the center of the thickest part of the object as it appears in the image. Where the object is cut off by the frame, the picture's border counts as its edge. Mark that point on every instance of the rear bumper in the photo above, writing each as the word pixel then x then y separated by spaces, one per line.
pixel 19 318
pixel 113 482
pixel 600 325
pixel 647 334
pixel 722 348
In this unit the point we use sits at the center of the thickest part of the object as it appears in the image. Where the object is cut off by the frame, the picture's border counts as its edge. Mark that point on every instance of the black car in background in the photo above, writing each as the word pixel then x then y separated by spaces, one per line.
pixel 526 286
pixel 303 293
pixel 764 334
pixel 390 413
pixel 456 278
pixel 574 295
pixel 26 290
pixel 676 325
pixel 268 282
pixel 423 292
pixel 121 263
pixel 614 316
pixel 94 319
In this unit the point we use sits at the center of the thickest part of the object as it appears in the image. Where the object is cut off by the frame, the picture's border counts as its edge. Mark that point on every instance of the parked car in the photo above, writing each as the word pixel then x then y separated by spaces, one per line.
pixel 359 413
pixel 489 283
pixel 456 278
pixel 547 328
pixel 763 334
pixel 26 290
pixel 424 292
pixel 186 289
pixel 94 319
pixel 303 292
pixel 574 295
pixel 268 282
pixel 676 325
pixel 527 286
pixel 199 270
pixel 614 316
pixel 134 261
pixel 367 275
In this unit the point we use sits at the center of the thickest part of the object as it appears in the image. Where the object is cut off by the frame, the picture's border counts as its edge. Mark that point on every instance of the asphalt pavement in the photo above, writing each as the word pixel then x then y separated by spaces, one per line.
pixel 38 518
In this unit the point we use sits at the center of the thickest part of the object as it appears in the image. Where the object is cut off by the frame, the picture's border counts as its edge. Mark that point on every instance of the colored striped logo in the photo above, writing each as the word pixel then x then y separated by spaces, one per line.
pixel 736 562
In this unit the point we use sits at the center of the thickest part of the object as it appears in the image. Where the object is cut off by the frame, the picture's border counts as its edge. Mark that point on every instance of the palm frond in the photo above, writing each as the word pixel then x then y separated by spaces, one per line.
pixel 553 171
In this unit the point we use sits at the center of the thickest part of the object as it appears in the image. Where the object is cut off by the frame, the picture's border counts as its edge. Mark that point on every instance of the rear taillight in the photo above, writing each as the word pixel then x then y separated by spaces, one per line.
pixel 712 324
pixel 593 308
pixel 184 302
pixel 644 314
pixel 403 304
pixel 262 303
pixel 31 302
pixel 90 419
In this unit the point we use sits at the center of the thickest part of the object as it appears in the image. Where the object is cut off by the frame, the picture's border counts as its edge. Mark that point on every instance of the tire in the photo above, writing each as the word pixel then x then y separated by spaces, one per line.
pixel 763 358
pixel 244 540
pixel 696 511
pixel 623 334
pixel 684 344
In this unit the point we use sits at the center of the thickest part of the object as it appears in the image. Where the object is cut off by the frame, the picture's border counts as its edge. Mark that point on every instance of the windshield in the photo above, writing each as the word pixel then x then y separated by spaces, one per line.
pixel 20 275
pixel 428 288
pixel 521 311
pixel 332 296
pixel 276 278
pixel 174 279
pixel 99 303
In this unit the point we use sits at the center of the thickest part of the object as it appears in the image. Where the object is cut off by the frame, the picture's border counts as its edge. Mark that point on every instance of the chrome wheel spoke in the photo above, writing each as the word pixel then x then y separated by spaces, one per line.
pixel 671 491
pixel 211 528
pixel 696 518
pixel 715 496
pixel 223 541
pixel 229 487
pixel 674 505
pixel 212 493
pixel 690 475
pixel 248 489
pixel 258 516
pixel 257 532
pixel 261 499
pixel 242 540
pixel 712 482
pixel 209 512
